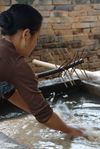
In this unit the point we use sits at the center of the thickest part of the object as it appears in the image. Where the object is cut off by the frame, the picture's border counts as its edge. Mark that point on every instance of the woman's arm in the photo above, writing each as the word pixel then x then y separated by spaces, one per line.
pixel 17 100
pixel 54 122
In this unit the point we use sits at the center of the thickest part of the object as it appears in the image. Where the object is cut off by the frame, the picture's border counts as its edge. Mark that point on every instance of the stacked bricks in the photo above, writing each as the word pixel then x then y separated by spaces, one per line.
pixel 68 25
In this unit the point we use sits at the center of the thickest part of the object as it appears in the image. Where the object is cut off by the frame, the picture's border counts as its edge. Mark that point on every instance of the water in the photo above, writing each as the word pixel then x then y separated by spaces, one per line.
pixel 77 109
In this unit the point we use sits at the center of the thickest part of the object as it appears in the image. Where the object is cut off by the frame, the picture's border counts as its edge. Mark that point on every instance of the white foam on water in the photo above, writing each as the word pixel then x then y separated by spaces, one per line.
pixel 47 145
pixel 62 110
pixel 8 145
pixel 92 134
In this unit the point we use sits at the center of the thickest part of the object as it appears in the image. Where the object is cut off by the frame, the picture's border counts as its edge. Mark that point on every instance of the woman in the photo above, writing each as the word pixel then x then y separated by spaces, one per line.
pixel 20 27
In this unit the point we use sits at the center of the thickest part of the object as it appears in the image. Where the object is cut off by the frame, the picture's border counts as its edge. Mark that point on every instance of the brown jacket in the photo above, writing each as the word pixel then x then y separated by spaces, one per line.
pixel 16 71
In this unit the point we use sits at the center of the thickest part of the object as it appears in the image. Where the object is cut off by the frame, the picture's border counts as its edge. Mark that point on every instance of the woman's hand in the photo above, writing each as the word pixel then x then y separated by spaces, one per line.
pixel 76 132
pixel 55 122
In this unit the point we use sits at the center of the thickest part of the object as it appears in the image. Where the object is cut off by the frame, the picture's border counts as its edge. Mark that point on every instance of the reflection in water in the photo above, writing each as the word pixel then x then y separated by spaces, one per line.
pixel 77 110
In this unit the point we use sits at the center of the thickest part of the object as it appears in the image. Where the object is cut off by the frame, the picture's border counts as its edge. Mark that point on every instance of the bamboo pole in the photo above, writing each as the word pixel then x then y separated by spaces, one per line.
pixel 45 64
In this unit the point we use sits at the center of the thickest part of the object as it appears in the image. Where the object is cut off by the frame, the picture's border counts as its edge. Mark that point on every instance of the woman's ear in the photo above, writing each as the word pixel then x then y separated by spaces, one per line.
pixel 26 34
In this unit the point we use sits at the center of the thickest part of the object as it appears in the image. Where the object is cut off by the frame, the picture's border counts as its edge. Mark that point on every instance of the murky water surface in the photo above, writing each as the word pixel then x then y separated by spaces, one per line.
pixel 79 110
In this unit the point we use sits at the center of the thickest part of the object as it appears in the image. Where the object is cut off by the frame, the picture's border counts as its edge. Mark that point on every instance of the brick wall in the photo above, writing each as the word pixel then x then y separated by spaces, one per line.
pixel 68 26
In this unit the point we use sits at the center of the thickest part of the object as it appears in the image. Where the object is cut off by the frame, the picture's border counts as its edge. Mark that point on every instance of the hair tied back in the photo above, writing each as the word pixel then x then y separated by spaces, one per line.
pixel 6 21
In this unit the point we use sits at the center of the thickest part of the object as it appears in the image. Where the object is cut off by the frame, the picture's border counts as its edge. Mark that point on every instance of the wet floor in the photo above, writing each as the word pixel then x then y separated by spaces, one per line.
pixel 77 109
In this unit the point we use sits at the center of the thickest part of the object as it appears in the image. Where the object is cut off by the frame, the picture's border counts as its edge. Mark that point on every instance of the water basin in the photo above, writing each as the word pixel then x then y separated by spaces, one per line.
pixel 77 107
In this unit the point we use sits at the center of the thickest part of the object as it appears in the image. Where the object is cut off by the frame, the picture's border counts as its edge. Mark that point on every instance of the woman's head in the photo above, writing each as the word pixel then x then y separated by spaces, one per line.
pixel 19 19
pixel 20 16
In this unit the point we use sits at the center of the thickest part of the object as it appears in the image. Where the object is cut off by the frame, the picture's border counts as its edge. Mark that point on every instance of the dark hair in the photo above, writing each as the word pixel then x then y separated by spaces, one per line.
pixel 20 16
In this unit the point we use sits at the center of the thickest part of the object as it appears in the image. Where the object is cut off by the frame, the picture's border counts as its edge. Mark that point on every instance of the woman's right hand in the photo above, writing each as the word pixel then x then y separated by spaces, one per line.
pixel 76 132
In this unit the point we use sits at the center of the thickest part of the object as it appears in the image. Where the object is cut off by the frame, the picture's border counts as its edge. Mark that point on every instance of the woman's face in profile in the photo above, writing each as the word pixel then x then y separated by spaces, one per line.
pixel 27 42
pixel 24 41
pixel 31 43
